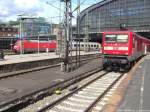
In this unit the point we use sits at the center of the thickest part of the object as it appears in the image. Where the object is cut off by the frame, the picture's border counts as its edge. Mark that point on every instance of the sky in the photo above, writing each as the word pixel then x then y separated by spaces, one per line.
pixel 10 9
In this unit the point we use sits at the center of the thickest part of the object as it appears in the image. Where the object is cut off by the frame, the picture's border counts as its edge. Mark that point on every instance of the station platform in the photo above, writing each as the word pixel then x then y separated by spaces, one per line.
pixel 22 85
pixel 137 96
pixel 9 59
pixel 14 63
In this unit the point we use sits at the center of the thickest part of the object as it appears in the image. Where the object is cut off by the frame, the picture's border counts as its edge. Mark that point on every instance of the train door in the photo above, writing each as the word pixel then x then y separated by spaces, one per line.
pixel 145 49
pixel 136 45
pixel 134 50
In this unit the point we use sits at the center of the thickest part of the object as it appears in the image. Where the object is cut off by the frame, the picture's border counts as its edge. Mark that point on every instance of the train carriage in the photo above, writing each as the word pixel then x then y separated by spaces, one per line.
pixel 34 45
pixel 89 46
pixel 121 49
pixel 50 45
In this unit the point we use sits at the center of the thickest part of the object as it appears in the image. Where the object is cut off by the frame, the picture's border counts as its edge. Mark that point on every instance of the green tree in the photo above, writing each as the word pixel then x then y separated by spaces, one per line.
pixel 12 23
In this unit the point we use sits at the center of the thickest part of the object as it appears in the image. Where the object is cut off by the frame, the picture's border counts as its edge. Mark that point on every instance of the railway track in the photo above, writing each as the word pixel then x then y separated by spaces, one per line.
pixel 83 99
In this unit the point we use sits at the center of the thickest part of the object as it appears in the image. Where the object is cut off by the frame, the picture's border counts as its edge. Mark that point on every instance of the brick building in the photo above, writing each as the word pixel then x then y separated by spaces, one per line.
pixel 6 32
pixel 7 37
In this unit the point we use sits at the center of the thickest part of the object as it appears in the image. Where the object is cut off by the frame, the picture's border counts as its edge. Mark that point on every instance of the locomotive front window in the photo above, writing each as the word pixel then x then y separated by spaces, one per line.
pixel 116 38
pixel 122 38
pixel 110 38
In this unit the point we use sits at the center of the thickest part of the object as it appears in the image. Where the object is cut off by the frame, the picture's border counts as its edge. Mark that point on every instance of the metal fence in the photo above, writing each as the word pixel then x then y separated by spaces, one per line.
pixel 7 43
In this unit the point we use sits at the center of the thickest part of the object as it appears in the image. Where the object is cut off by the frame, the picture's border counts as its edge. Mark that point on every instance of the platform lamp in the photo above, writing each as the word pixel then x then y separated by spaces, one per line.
pixel 20 33
pixel 38 42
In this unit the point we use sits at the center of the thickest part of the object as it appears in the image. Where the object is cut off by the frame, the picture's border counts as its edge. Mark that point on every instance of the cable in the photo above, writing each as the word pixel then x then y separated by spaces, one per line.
pixel 82 2
pixel 53 5
pixel 80 5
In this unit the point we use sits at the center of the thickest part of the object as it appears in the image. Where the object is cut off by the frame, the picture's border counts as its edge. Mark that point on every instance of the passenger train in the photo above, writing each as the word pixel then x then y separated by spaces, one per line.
pixel 50 45
pixel 121 49
pixel 86 46
pixel 34 45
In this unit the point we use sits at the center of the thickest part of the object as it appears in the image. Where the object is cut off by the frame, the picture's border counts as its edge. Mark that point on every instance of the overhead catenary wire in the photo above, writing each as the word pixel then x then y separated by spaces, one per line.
pixel 53 5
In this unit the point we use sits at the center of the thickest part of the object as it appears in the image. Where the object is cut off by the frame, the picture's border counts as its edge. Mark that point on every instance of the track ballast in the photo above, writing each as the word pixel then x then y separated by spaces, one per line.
pixel 90 91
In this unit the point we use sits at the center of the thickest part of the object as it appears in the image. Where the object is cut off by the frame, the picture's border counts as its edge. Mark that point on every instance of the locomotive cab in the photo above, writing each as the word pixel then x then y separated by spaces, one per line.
pixel 121 49
pixel 116 52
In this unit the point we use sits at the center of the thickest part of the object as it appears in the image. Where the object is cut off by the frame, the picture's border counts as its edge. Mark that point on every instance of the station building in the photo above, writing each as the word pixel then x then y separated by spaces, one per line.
pixel 109 15
pixel 34 27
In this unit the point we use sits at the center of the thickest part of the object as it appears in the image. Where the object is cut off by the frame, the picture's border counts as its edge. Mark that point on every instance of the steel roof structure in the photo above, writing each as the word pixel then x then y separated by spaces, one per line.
pixel 110 14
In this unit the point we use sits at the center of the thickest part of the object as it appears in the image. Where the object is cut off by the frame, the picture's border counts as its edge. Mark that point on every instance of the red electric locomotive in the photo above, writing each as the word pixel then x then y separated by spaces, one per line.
pixel 34 45
pixel 121 49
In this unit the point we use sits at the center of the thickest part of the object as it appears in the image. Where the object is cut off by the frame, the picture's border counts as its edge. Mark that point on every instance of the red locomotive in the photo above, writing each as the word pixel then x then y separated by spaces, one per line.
pixel 34 45
pixel 121 49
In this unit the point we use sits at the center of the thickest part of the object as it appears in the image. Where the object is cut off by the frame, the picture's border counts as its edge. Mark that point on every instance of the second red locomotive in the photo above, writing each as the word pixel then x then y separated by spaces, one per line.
pixel 34 45
pixel 121 49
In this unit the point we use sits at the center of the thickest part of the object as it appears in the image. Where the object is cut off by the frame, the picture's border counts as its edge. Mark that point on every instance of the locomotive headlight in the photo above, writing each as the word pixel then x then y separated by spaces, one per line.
pixel 123 48
pixel 108 48
pixel 16 47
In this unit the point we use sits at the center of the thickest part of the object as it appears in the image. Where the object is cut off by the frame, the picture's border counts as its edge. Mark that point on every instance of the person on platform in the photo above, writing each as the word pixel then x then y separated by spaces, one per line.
pixel 1 54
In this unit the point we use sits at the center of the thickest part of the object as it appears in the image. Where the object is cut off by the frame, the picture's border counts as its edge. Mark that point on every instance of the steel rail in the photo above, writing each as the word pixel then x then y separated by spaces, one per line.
pixel 70 94
pixel 24 100
pixel 103 94
pixel 50 106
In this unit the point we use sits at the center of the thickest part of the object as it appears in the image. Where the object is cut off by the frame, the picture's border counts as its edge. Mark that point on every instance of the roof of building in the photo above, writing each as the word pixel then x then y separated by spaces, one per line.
pixel 94 7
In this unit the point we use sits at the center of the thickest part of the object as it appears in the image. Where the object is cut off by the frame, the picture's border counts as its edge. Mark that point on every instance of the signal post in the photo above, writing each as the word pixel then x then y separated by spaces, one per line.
pixel 66 52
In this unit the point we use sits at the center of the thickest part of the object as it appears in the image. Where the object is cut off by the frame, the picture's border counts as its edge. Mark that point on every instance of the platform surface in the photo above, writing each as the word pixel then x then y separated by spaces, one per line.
pixel 137 96
pixel 9 59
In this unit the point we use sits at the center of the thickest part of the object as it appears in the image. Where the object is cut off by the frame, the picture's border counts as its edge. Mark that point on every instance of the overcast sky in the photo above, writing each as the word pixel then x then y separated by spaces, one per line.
pixel 9 9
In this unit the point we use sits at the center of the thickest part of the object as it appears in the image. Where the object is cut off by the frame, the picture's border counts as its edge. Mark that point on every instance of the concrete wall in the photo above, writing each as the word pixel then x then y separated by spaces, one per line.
pixel 34 64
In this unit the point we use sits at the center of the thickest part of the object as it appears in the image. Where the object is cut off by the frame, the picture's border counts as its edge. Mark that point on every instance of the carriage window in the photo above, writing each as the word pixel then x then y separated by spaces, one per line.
pixel 110 38
pixel 122 38
pixel 91 45
pixel 94 45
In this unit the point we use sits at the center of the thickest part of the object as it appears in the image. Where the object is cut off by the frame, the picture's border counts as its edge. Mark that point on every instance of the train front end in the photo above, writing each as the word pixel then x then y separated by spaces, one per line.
pixel 116 50
pixel 16 47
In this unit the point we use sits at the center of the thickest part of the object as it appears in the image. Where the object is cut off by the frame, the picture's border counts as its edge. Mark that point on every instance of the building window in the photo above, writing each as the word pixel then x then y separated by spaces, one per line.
pixel 14 30
pixel 9 34
pixel 9 29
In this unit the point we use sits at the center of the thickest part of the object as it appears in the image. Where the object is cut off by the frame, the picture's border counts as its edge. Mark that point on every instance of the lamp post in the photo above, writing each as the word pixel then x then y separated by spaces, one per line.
pixel 38 42
pixel 51 26
pixel 20 34
pixel 78 35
